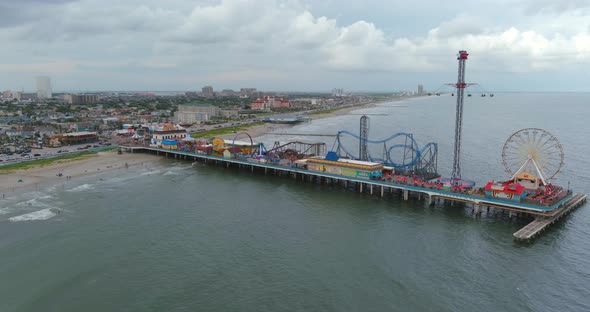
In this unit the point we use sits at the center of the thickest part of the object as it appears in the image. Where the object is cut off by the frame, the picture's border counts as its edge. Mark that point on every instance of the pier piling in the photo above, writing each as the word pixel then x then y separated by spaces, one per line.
pixel 543 218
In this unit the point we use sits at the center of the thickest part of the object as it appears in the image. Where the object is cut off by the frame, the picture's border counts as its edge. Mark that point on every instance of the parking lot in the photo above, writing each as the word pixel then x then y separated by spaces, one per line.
pixel 48 152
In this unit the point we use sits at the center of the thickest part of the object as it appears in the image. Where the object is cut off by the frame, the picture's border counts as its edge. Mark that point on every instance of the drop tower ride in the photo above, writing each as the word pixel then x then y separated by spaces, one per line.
pixel 460 85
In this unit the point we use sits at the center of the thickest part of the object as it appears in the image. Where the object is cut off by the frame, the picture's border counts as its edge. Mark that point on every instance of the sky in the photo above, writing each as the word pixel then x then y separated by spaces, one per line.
pixel 294 45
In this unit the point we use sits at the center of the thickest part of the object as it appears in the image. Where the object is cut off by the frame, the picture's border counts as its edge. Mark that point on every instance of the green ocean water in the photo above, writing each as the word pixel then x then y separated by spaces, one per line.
pixel 170 236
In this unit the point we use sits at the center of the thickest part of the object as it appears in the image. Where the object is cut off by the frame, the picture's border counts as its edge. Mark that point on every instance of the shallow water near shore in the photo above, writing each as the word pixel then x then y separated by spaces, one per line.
pixel 171 236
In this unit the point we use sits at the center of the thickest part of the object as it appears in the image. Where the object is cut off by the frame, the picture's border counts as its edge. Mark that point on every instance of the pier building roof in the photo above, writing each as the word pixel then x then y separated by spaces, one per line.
pixel 350 163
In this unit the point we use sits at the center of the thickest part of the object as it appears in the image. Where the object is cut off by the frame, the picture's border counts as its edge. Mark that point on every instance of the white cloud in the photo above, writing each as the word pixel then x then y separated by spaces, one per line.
pixel 231 40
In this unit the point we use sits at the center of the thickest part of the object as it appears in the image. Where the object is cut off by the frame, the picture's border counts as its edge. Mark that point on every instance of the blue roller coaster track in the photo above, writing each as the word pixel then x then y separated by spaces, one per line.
pixel 414 157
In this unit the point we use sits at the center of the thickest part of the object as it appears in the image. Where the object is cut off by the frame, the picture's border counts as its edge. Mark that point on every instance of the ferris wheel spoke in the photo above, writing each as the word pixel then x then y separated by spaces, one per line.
pixel 548 143
pixel 545 149
pixel 521 141
pixel 540 138
pixel 549 149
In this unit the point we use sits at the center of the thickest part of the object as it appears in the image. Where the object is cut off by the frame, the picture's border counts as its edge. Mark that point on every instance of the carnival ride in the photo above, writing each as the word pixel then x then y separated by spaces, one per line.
pixel 532 157
pixel 400 151
pixel 248 149
pixel 533 150
pixel 295 150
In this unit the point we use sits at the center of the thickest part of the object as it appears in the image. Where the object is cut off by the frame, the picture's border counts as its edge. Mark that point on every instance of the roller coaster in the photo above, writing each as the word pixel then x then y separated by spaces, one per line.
pixel 400 151
pixel 296 150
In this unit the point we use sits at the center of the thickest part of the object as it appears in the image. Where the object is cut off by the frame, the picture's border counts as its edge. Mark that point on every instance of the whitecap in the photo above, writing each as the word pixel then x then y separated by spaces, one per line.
pixel 43 214
pixel 150 172
pixel 82 187
pixel 4 211
pixel 30 202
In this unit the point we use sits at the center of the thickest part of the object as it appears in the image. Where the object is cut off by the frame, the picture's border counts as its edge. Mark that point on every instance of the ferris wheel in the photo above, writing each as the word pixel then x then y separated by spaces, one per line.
pixel 533 150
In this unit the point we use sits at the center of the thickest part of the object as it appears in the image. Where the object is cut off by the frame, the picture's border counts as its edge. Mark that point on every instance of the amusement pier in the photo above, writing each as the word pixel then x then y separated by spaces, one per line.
pixel 396 165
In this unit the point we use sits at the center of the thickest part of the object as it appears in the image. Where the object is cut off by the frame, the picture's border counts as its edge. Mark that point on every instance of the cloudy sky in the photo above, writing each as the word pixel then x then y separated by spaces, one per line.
pixel 294 45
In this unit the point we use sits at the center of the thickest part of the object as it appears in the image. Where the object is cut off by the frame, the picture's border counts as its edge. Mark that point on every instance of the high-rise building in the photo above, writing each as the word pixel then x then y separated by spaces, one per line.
pixel 420 89
pixel 248 92
pixel 43 87
pixel 78 99
pixel 337 92
pixel 191 113
pixel 207 91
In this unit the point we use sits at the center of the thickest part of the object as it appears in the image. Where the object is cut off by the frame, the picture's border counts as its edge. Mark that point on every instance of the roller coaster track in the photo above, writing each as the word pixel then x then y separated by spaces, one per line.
pixel 420 159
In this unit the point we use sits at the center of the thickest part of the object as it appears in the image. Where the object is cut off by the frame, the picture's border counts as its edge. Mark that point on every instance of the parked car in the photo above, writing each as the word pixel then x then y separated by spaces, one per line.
pixel 37 155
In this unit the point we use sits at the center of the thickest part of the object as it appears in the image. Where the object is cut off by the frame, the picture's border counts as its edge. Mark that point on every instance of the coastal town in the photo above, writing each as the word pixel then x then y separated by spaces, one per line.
pixel 46 124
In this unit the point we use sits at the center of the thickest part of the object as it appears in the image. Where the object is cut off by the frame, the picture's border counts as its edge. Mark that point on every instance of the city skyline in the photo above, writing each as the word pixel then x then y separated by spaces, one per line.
pixel 303 45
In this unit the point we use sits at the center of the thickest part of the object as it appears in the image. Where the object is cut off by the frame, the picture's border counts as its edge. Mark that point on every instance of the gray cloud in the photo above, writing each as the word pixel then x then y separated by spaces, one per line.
pixel 555 7
pixel 275 42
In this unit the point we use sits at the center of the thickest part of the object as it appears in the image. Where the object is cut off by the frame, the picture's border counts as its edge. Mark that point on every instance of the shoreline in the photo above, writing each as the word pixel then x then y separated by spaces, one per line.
pixel 42 177
pixel 261 130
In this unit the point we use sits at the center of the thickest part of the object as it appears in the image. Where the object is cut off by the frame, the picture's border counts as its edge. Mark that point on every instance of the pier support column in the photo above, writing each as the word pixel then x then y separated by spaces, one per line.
pixel 427 200
pixel 361 187
pixel 419 196
pixel 252 168
pixel 371 189
pixel 406 194
pixel 477 209
pixel 381 190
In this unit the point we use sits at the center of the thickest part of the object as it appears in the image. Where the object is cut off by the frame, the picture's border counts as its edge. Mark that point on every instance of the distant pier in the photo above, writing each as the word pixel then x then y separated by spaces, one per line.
pixel 543 216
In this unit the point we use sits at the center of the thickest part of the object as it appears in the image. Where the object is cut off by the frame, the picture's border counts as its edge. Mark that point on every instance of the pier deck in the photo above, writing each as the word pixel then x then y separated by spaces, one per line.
pixel 545 215
pixel 532 229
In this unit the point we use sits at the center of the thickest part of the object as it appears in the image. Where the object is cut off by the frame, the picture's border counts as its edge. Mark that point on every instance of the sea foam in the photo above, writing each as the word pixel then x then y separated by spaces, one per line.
pixel 82 187
pixel 43 214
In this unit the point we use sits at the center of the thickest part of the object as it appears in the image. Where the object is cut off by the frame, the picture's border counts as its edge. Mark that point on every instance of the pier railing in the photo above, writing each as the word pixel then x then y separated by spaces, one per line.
pixel 476 200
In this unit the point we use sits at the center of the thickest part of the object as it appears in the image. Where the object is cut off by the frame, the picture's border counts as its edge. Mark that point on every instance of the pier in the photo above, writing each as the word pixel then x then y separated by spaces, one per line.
pixel 537 226
pixel 544 215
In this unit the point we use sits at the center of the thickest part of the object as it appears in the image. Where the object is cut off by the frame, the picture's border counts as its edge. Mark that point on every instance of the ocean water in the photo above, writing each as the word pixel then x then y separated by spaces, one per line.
pixel 173 236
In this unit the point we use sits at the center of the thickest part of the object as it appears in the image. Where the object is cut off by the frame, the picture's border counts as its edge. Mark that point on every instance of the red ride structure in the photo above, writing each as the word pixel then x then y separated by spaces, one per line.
pixel 460 85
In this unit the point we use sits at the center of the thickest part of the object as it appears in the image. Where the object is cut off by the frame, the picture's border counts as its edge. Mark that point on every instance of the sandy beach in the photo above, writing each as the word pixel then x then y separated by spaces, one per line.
pixel 40 177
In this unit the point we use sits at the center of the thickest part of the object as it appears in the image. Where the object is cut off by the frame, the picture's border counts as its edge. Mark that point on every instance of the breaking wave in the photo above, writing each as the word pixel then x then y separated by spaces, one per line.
pixel 42 214
pixel 82 187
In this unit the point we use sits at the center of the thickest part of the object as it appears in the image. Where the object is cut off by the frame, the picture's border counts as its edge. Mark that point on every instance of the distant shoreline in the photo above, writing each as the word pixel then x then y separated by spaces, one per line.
pixel 260 130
